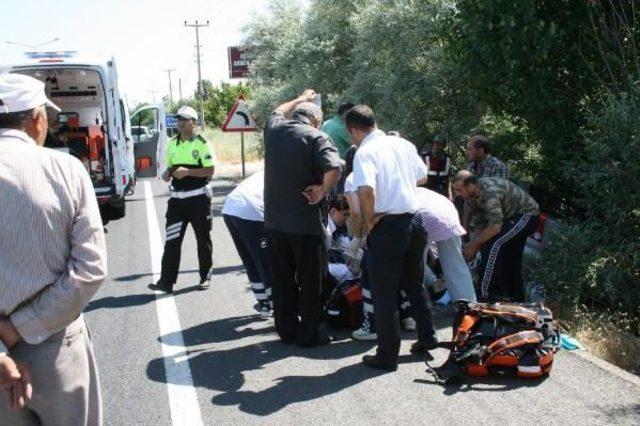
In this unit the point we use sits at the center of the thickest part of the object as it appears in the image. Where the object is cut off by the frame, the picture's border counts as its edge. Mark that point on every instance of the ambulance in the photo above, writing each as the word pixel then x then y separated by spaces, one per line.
pixel 94 122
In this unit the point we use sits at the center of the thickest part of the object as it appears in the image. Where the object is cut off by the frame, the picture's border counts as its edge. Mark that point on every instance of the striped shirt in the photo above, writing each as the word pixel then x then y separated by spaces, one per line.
pixel 490 167
pixel 52 245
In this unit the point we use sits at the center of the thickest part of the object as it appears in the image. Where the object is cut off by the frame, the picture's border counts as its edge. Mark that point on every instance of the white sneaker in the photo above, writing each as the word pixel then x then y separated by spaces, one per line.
pixel 408 324
pixel 204 285
pixel 364 334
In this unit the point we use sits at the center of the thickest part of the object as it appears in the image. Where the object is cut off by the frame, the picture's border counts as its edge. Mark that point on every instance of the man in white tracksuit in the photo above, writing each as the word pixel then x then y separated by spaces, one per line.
pixel 243 214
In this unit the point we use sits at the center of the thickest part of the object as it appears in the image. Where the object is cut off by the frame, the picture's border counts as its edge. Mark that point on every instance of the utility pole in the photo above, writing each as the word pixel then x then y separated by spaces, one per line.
pixel 168 71
pixel 153 94
pixel 197 26
pixel 180 88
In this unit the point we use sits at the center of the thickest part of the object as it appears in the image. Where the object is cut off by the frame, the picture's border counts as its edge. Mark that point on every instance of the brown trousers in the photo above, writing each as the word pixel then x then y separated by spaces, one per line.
pixel 66 389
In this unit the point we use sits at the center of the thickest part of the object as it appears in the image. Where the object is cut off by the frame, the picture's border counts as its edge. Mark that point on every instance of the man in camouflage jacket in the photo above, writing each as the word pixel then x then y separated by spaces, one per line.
pixel 511 216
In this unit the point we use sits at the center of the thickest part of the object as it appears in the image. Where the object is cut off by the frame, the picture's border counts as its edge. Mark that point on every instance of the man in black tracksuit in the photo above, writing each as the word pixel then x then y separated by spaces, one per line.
pixel 302 166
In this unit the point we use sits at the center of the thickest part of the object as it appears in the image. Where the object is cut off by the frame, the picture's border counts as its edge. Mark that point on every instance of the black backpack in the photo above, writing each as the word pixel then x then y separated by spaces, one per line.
pixel 344 307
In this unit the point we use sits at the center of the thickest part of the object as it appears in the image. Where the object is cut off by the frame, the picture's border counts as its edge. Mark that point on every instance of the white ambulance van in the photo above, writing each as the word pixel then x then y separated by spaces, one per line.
pixel 93 124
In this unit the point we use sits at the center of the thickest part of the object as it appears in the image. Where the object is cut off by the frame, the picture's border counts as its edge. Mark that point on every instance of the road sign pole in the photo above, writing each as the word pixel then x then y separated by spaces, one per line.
pixel 242 154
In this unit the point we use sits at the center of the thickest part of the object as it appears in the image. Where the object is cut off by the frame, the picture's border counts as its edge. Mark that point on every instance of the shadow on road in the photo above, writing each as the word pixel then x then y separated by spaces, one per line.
pixel 219 331
pixel 224 370
pixel 484 384
pixel 112 302
pixel 216 271
pixel 292 389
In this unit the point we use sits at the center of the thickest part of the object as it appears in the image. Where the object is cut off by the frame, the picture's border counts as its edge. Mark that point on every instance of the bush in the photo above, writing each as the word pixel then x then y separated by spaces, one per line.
pixel 596 262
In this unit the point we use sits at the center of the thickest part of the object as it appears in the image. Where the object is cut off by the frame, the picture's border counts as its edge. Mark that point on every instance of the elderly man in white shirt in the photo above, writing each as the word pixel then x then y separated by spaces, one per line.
pixel 52 261
pixel 387 170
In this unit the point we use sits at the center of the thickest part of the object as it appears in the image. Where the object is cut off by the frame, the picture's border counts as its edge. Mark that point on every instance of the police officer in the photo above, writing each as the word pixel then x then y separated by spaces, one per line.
pixel 190 166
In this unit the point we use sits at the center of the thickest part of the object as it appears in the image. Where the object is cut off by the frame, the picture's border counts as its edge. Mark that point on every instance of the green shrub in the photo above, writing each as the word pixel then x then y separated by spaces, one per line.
pixel 596 262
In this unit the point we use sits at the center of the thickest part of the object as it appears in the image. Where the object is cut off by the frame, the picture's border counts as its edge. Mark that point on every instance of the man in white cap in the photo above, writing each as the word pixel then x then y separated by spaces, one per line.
pixel 190 165
pixel 52 261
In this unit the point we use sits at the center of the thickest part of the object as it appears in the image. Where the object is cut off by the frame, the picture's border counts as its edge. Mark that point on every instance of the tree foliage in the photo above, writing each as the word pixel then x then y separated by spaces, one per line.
pixel 553 82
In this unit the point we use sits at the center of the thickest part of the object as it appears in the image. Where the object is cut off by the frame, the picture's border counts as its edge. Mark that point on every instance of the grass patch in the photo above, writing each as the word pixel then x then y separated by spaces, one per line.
pixel 227 145
pixel 607 335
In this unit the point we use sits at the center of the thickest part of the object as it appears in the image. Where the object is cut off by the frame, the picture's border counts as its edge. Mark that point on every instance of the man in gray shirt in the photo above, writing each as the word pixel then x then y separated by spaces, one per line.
pixel 302 166
pixel 52 261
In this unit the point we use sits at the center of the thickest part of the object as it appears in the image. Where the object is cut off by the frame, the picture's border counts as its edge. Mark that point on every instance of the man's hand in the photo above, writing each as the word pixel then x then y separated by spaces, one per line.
pixel 373 221
pixel 180 173
pixel 8 333
pixel 22 391
pixel 354 247
pixel 307 95
pixel 9 372
pixel 314 194
pixel 287 108
pixel 166 175
pixel 470 250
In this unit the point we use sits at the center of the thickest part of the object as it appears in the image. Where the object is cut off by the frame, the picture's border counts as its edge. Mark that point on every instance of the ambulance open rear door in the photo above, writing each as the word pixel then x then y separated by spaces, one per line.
pixel 149 132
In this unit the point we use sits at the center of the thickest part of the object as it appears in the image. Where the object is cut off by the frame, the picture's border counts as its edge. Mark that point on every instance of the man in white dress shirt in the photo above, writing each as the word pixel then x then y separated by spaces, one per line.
pixel 387 170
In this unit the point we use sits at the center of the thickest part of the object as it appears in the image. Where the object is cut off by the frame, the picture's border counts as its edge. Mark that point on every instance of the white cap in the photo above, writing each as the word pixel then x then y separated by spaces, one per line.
pixel 187 112
pixel 20 92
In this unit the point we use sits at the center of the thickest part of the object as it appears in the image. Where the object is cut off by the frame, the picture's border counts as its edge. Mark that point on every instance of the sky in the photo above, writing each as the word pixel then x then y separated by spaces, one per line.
pixel 145 37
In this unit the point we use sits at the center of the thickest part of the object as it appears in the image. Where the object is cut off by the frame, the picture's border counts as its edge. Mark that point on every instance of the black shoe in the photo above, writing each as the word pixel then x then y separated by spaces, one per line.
pixel 161 286
pixel 420 348
pixel 323 339
pixel 375 362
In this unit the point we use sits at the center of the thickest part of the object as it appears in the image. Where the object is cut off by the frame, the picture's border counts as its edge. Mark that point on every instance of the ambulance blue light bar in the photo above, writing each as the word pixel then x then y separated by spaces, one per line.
pixel 51 55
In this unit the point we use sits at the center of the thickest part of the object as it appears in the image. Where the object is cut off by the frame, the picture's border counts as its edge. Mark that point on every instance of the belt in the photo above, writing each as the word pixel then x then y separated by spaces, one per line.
pixel 188 194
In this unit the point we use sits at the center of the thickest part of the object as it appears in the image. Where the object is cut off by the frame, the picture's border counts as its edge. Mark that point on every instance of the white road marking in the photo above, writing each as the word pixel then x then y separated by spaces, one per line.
pixel 183 400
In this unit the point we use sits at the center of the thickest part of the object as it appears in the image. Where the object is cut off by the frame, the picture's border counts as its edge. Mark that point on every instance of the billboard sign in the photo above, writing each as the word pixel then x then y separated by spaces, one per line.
pixel 240 60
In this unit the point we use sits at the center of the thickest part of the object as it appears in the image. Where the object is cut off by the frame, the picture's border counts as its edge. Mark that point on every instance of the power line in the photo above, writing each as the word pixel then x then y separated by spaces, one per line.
pixel 33 47
pixel 197 26
pixel 168 71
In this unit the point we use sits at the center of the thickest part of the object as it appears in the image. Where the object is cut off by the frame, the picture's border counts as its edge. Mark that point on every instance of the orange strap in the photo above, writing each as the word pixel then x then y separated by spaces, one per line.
pixel 510 342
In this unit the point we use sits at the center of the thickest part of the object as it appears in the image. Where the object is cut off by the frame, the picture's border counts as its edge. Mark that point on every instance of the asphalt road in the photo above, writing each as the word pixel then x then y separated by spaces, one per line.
pixel 241 374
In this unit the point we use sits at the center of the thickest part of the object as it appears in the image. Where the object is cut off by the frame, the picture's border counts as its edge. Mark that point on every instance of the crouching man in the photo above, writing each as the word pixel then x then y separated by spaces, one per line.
pixel 511 215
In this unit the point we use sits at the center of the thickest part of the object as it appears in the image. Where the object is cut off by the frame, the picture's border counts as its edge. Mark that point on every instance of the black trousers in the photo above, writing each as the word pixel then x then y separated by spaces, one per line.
pixel 369 320
pixel 296 264
pixel 502 260
pixel 250 239
pixel 181 212
pixel 394 262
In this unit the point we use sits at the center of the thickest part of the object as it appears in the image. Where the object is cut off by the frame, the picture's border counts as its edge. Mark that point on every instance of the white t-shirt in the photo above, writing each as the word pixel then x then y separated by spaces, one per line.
pixel 246 201
pixel 391 166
